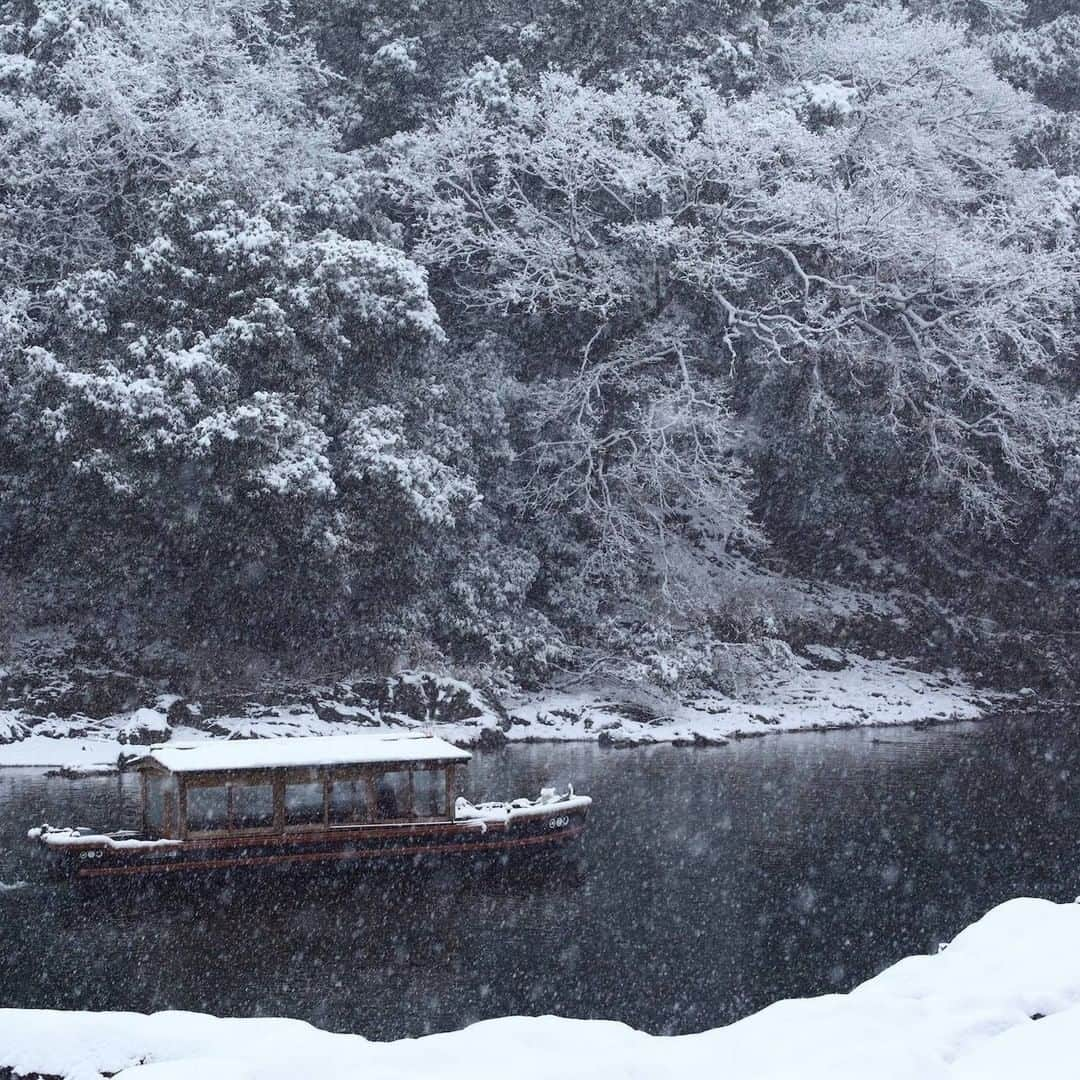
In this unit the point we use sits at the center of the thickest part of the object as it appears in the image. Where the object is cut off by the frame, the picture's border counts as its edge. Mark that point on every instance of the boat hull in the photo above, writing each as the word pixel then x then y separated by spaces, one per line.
pixel 340 845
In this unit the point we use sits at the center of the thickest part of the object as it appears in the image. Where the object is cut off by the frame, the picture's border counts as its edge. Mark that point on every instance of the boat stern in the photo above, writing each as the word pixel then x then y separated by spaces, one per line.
pixel 551 820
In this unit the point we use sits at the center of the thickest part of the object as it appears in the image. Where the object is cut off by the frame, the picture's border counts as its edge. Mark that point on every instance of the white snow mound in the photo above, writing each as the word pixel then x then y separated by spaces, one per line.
pixel 965 1013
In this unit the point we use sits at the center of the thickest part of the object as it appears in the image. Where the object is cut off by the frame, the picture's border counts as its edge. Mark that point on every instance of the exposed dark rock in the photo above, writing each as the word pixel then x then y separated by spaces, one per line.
pixel 362 691
pixel 342 712
pixel 144 734
pixel 184 713
pixel 13 732
pixel 428 699
pixel 408 698
pixel 708 740
pixel 621 742
pixel 821 658
pixel 566 714
pixel 491 738
pixel 77 726
pixel 630 711
pixel 95 692
pixel 73 772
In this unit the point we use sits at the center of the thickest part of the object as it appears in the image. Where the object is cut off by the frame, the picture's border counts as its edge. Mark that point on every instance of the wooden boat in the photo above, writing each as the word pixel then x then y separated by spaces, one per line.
pixel 329 799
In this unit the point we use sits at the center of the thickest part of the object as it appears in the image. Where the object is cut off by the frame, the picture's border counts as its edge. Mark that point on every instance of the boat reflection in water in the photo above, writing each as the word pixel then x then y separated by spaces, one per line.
pixel 295 802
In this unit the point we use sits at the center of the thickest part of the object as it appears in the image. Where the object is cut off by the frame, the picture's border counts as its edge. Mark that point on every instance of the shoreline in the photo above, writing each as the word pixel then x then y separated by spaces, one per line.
pixel 79 772
pixel 999 1001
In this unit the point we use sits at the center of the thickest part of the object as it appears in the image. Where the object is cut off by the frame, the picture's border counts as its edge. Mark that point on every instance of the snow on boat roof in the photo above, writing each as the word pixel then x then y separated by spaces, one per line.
pixel 212 755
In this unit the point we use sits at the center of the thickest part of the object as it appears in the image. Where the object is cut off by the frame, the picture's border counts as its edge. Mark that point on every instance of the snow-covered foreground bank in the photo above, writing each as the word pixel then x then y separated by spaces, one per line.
pixel 1002 1001
pixel 824 689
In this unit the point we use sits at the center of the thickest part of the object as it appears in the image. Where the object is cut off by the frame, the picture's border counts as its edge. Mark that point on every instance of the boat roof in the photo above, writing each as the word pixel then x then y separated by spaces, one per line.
pixel 366 748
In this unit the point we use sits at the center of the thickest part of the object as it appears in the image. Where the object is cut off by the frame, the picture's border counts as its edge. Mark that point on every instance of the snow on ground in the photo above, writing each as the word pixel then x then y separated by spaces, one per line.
pixel 804 697
pixel 822 689
pixel 968 1013
pixel 82 753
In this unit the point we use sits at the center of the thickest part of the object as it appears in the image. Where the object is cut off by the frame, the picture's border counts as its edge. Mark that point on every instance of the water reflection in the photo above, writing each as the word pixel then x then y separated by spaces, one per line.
pixel 712 882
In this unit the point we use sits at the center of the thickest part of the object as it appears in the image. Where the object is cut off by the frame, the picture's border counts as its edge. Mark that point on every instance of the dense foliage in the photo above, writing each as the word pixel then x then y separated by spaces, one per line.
pixel 522 337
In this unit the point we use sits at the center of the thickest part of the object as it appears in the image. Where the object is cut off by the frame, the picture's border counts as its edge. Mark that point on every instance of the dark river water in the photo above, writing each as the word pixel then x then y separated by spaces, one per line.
pixel 711 883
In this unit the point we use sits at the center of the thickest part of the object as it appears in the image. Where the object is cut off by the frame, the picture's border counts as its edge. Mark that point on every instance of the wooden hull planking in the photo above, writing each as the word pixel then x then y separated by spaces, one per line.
pixel 342 844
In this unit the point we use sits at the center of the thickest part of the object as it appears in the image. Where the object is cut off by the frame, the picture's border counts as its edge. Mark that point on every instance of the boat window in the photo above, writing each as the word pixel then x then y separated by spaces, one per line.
pixel 304 803
pixel 252 806
pixel 207 808
pixel 154 819
pixel 392 795
pixel 348 802
pixel 429 793
pixel 362 808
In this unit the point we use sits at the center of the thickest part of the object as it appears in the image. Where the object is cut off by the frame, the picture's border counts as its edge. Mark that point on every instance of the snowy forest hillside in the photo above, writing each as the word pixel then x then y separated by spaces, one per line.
pixel 509 339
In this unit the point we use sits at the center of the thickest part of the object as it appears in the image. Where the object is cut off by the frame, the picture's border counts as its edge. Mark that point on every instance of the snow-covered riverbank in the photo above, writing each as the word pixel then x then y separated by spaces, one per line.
pixel 823 689
pixel 826 689
pixel 1002 1001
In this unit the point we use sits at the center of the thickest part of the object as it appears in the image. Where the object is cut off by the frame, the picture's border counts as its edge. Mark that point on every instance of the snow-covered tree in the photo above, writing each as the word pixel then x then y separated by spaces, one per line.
pixel 849 258
pixel 553 207
pixel 1045 59
pixel 219 371
pixel 248 397
pixel 107 104
pixel 702 275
